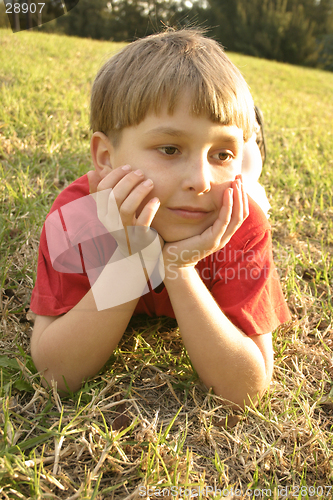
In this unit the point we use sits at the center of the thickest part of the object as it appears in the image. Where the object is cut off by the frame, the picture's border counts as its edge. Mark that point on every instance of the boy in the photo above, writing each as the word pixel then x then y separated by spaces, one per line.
pixel 170 115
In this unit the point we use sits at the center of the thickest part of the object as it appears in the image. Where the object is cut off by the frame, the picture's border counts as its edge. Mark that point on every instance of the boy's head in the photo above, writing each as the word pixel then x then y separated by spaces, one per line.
pixel 160 68
pixel 174 107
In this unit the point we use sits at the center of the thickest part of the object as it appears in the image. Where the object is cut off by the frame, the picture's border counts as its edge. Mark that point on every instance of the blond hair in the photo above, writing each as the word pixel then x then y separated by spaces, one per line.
pixel 158 68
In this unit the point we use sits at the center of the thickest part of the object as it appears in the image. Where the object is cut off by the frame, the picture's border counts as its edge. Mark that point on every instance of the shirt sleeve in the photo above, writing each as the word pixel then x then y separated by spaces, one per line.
pixel 246 286
pixel 55 292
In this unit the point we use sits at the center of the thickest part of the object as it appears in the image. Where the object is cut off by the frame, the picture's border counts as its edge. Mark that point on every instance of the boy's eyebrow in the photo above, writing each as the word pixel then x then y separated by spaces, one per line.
pixel 166 131
pixel 174 132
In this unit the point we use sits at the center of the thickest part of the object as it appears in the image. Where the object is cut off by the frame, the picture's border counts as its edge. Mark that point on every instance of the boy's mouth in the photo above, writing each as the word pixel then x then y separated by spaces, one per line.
pixel 188 212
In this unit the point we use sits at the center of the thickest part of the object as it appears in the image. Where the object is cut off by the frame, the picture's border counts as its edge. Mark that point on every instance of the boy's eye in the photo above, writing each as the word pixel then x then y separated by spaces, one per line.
pixel 169 150
pixel 223 156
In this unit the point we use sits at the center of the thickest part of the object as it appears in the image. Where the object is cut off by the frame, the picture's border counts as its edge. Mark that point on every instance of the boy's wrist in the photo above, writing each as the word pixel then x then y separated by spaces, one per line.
pixel 175 257
pixel 175 273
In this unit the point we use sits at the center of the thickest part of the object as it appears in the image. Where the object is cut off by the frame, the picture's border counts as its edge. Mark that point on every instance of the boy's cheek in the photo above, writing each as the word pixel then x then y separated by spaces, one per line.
pixel 220 190
pixel 237 164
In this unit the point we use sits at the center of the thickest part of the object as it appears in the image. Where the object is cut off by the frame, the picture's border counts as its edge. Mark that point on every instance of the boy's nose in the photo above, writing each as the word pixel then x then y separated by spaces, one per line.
pixel 198 176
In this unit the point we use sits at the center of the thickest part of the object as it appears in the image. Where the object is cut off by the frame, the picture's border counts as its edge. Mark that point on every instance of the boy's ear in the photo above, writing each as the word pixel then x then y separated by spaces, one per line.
pixel 101 151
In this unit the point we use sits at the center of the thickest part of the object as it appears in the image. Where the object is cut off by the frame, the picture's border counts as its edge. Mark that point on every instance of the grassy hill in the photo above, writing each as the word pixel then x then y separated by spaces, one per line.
pixel 175 433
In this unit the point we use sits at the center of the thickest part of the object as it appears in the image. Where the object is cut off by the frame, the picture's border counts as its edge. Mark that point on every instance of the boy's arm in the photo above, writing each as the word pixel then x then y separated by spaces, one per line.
pixel 238 367
pixel 76 345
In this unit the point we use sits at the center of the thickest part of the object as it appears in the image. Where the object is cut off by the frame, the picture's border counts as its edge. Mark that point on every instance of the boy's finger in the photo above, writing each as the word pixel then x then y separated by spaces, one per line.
pixel 107 210
pixel 238 200
pixel 148 213
pixel 227 208
pixel 132 202
pixel 126 185
pixel 237 216
pixel 244 197
pixel 222 223
pixel 234 220
pixel 112 178
pixel 246 210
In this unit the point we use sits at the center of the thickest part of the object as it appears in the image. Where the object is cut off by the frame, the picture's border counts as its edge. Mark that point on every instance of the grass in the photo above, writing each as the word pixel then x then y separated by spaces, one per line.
pixel 145 421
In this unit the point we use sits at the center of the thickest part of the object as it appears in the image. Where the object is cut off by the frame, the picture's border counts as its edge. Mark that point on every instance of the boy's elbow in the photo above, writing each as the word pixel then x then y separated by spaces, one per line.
pixel 258 373
pixel 240 401
pixel 260 385
pixel 253 397
pixel 248 391
pixel 50 378
pixel 51 374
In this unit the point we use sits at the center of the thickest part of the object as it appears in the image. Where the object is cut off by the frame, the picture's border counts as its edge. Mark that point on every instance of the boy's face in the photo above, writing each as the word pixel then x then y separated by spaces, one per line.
pixel 191 161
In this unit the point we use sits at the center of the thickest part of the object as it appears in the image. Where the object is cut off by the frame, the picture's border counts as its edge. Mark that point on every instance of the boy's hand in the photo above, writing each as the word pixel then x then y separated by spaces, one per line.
pixel 234 210
pixel 129 190
pixel 119 196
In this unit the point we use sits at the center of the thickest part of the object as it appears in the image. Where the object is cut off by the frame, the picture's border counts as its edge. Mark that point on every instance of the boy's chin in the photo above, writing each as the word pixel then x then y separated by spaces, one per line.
pixel 172 237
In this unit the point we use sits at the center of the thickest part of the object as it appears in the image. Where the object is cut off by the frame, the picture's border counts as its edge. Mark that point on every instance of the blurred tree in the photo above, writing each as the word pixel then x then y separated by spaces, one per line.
pixel 128 20
pixel 284 30
pixel 325 58
pixel 295 31
pixel 133 19
pixel 299 44
pixel 4 21
pixel 320 12
pixel 88 19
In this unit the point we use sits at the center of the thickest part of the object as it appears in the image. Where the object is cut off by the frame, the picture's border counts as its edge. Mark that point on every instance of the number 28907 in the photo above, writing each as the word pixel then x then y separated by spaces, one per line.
pixel 17 8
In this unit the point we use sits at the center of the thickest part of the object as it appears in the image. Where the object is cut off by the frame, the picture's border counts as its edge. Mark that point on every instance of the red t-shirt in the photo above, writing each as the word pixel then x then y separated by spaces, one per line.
pixel 241 277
